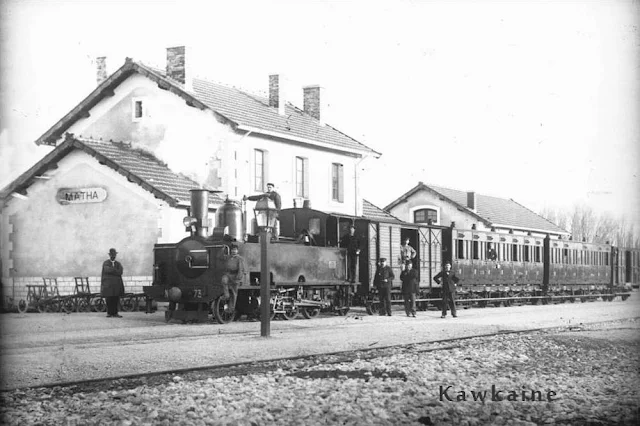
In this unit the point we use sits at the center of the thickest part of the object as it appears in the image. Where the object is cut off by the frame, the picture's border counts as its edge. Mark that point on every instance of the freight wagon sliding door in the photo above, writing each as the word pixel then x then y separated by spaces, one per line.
pixel 430 255
pixel 390 248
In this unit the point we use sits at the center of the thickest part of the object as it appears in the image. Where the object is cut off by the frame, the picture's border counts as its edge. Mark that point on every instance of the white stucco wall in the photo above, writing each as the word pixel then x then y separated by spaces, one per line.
pixel 40 237
pixel 193 142
pixel 446 211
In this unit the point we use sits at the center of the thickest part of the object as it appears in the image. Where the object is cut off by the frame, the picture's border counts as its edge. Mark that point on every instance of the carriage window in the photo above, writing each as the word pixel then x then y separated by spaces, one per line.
pixel 475 251
pixel 460 249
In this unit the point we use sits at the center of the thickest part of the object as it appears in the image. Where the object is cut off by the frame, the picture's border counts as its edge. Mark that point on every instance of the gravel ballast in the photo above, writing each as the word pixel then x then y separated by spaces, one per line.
pixel 590 376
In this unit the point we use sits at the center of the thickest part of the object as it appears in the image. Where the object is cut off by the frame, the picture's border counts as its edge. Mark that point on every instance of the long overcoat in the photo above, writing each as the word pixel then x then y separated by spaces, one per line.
pixel 410 281
pixel 111 283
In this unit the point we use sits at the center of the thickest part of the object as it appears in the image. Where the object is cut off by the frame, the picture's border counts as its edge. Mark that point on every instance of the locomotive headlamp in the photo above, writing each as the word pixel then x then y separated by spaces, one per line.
pixel 266 213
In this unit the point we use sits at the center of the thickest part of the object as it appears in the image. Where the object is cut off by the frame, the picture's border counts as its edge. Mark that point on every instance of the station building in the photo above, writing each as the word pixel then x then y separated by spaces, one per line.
pixel 123 161
pixel 469 210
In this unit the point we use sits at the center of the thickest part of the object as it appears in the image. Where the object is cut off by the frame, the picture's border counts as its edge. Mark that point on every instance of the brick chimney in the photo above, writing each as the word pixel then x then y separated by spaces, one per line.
pixel 101 69
pixel 471 201
pixel 311 102
pixel 276 93
pixel 176 63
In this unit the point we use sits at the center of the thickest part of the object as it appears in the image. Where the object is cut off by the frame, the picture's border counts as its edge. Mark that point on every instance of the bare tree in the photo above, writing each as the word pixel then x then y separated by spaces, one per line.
pixel 586 225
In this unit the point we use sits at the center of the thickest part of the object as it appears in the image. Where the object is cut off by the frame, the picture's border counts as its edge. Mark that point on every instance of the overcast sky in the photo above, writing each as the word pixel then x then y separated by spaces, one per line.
pixel 532 100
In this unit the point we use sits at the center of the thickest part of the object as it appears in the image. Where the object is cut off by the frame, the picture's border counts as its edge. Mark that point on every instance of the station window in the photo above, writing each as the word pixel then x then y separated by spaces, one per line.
pixel 514 251
pixel 337 182
pixel 460 249
pixel 538 254
pixel 258 163
pixel 424 215
pixel 606 259
pixel 475 250
pixel 527 253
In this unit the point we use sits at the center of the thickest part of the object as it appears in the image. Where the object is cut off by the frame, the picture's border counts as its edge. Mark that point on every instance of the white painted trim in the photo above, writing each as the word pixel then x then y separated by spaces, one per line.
pixel 500 225
pixel 304 140
pixel 413 209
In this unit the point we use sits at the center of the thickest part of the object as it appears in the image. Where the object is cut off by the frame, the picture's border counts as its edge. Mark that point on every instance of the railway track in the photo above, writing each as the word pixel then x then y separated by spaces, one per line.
pixel 133 380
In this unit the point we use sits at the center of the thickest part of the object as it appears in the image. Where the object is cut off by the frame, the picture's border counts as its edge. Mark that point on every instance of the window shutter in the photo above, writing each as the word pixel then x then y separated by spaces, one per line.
pixel 305 179
pixel 341 183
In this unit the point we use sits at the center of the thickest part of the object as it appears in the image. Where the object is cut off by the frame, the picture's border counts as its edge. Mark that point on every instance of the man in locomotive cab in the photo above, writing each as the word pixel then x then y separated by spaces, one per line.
pixel 234 272
pixel 384 278
pixel 449 281
pixel 352 243
pixel 277 200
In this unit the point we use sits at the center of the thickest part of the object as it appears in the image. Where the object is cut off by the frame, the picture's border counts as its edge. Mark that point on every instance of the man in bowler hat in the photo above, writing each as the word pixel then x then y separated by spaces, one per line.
pixel 111 285
pixel 384 278
pixel 449 281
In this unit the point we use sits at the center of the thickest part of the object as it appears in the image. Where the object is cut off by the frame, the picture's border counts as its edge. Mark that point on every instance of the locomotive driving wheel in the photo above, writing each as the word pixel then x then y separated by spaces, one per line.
pixel 220 308
pixel 309 313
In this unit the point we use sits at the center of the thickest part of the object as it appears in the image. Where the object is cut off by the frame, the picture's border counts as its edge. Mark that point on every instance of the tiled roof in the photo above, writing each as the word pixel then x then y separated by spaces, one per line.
pixel 370 211
pixel 254 111
pixel 493 210
pixel 242 110
pixel 138 166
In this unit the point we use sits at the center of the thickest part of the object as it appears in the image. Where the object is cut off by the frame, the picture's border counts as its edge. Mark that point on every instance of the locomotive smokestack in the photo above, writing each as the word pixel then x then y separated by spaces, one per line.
pixel 200 210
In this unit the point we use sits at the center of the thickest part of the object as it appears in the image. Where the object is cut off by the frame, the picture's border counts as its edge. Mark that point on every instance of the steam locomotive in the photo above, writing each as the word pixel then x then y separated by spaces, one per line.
pixel 308 278
pixel 190 274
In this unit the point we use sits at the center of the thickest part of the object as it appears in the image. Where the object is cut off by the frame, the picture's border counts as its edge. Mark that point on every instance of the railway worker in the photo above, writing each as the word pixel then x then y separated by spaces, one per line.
pixel 491 252
pixel 407 253
pixel 111 285
pixel 277 200
pixel 410 284
pixel 384 278
pixel 235 272
pixel 449 281
pixel 351 243
pixel 306 238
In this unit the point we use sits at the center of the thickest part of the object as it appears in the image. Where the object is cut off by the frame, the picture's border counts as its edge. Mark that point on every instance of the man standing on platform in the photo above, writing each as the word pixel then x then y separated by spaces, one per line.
pixel 352 244
pixel 384 276
pixel 235 271
pixel 449 281
pixel 410 287
pixel 111 285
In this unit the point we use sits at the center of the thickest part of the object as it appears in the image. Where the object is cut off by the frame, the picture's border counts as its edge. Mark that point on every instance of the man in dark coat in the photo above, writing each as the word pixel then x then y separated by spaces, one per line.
pixel 410 287
pixel 352 244
pixel 384 278
pixel 111 285
pixel 449 281
pixel 235 270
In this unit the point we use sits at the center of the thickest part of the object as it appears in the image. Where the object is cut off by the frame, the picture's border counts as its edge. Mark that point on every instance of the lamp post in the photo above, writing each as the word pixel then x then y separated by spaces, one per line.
pixel 266 214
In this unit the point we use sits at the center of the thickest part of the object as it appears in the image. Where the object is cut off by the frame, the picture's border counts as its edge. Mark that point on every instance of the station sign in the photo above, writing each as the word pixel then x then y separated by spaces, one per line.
pixel 81 195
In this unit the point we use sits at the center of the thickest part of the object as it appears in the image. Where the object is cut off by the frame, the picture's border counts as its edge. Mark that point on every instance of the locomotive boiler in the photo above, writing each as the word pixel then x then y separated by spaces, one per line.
pixel 189 275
